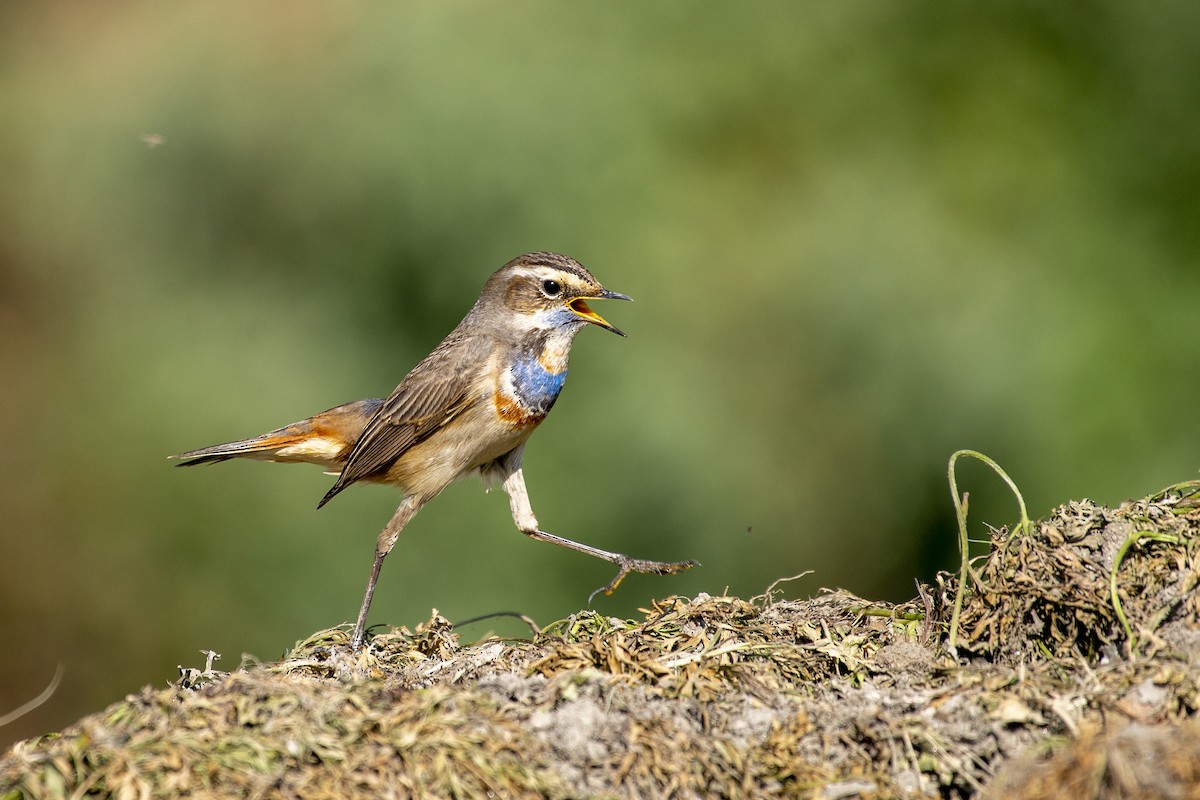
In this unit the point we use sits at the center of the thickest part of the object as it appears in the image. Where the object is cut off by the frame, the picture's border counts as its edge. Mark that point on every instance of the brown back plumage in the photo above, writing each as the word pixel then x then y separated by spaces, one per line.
pixel 445 383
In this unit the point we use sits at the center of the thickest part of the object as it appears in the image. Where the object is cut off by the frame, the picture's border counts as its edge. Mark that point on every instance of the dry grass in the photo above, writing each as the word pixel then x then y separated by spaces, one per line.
pixel 1078 663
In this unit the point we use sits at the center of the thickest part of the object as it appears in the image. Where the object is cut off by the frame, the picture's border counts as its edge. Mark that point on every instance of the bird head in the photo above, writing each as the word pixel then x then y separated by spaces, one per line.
pixel 547 292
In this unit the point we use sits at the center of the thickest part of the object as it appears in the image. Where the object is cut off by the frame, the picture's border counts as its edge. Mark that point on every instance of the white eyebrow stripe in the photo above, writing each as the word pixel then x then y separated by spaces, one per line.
pixel 536 274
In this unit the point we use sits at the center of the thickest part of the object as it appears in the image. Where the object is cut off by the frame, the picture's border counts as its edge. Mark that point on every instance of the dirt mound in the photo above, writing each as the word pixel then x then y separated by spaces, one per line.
pixel 1076 668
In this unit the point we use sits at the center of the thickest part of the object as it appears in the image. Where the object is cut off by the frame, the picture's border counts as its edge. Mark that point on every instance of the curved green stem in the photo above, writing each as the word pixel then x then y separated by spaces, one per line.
pixel 960 510
pixel 1130 540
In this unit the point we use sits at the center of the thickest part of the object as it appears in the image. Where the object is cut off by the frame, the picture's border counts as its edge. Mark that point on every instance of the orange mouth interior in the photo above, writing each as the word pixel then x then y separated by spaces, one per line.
pixel 584 310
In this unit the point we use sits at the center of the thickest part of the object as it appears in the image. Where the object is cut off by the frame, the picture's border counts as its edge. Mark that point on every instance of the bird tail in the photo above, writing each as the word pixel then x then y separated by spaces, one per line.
pixel 325 439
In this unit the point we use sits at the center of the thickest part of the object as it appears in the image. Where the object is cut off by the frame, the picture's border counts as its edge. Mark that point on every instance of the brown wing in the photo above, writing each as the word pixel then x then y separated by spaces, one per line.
pixel 438 389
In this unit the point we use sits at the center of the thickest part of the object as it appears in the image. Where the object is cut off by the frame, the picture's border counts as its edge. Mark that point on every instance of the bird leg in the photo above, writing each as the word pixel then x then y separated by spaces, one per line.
pixel 522 511
pixel 387 540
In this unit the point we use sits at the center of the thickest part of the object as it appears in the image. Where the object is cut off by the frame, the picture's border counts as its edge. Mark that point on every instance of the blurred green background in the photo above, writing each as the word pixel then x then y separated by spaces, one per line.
pixel 860 236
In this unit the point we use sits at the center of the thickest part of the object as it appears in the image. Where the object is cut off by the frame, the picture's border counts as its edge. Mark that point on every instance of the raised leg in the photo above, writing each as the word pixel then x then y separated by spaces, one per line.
pixel 522 511
pixel 387 540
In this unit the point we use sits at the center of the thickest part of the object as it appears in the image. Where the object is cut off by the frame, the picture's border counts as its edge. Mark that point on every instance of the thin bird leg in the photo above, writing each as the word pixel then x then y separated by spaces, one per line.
pixel 387 540
pixel 527 523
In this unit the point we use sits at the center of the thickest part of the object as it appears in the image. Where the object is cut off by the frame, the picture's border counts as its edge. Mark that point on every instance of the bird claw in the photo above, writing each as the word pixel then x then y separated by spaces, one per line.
pixel 628 565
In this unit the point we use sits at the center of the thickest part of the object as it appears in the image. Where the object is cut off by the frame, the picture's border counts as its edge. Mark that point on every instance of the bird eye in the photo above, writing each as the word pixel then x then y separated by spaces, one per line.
pixel 551 288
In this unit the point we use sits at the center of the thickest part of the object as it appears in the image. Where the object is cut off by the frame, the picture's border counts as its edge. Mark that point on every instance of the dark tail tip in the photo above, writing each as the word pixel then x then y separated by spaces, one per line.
pixel 201 460
pixel 332 493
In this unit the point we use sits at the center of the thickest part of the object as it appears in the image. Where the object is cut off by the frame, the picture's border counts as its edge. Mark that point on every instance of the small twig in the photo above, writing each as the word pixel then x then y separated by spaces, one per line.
pixel 927 625
pixel 533 626
pixel 767 596
pixel 889 613
pixel 46 694
pixel 1185 489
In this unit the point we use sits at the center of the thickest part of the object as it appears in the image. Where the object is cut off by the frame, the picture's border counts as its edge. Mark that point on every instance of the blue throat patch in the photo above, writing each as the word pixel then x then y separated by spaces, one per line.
pixel 537 387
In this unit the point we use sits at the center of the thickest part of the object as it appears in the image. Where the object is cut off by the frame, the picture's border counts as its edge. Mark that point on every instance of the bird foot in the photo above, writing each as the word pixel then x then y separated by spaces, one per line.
pixel 628 565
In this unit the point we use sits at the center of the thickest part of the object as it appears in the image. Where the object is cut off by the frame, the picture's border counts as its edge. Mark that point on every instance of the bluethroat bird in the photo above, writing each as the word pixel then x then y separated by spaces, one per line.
pixel 468 407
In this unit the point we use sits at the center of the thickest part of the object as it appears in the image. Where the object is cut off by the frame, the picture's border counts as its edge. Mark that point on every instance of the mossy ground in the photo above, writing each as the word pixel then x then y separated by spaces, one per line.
pixel 1076 672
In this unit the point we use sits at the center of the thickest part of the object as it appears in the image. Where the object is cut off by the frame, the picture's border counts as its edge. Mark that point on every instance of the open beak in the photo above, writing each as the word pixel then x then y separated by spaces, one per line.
pixel 580 307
